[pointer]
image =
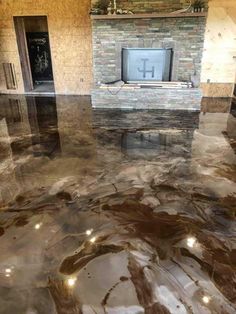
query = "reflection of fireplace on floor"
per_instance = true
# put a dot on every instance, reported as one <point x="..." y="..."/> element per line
<point x="150" y="143"/>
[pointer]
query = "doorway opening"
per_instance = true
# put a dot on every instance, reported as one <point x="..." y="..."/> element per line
<point x="35" y="54"/>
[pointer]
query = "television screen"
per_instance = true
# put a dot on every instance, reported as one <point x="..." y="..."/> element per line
<point x="146" y="65"/>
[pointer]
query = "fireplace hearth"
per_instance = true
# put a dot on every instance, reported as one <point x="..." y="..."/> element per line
<point x="146" y="65"/>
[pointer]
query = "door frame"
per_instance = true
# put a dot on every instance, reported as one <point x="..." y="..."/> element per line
<point x="19" y="24"/>
<point x="20" y="30"/>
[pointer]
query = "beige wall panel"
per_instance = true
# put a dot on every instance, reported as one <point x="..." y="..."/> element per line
<point x="217" y="89"/>
<point x="219" y="62"/>
<point x="213" y="105"/>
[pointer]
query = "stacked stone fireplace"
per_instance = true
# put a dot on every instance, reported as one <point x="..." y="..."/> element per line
<point x="181" y="37"/>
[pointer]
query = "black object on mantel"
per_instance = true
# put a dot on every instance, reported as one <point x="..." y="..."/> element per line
<point x="113" y="82"/>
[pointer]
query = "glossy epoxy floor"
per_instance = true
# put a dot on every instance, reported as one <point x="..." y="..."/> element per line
<point x="116" y="212"/>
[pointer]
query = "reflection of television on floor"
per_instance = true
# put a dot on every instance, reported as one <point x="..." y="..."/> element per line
<point x="146" y="65"/>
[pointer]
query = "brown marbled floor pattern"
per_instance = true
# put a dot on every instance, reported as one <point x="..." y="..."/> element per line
<point x="116" y="212"/>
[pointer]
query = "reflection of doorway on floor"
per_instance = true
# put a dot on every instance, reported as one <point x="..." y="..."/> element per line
<point x="34" y="49"/>
<point x="44" y="125"/>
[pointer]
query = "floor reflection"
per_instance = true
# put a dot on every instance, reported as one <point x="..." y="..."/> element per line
<point x="116" y="211"/>
<point x="43" y="124"/>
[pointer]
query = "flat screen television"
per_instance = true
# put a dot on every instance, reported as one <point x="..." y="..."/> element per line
<point x="142" y="65"/>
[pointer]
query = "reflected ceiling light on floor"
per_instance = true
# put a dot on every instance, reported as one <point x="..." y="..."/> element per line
<point x="89" y="232"/>
<point x="8" y="270"/>
<point x="38" y="226"/>
<point x="8" y="275"/>
<point x="191" y="241"/>
<point x="71" y="282"/>
<point x="93" y="240"/>
<point x="206" y="299"/>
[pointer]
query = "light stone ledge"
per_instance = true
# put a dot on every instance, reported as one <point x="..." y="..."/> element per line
<point x="147" y="98"/>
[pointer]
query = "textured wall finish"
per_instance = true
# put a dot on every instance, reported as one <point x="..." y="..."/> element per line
<point x="219" y="57"/>
<point x="217" y="89"/>
<point x="70" y="38"/>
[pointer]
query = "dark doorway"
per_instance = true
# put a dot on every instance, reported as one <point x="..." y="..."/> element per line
<point x="39" y="55"/>
<point x="35" y="55"/>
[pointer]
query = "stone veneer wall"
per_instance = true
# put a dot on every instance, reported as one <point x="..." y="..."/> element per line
<point x="184" y="35"/>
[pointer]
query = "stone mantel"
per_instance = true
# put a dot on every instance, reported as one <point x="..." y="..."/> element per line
<point x="147" y="16"/>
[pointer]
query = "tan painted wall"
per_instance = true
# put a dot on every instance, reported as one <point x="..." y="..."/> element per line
<point x="70" y="37"/>
<point x="219" y="64"/>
